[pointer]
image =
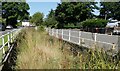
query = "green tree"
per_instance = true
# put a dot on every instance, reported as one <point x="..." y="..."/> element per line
<point x="50" y="21"/>
<point x="94" y="23"/>
<point x="37" y="18"/>
<point x="73" y="12"/>
<point x="13" y="11"/>
<point x="110" y="10"/>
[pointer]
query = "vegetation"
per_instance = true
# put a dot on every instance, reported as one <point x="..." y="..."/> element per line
<point x="50" y="21"/>
<point x="93" y="23"/>
<point x="46" y="53"/>
<point x="110" y="10"/>
<point x="37" y="19"/>
<point x="73" y="12"/>
<point x="13" y="11"/>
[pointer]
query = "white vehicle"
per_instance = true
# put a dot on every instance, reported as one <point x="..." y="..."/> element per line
<point x="113" y="23"/>
<point x="9" y="27"/>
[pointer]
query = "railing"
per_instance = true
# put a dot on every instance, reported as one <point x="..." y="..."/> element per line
<point x="86" y="39"/>
<point x="5" y="41"/>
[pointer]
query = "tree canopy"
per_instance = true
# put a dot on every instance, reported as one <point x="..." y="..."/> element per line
<point x="37" y="18"/>
<point x="110" y="10"/>
<point x="50" y="21"/>
<point x="72" y="12"/>
<point x="13" y="11"/>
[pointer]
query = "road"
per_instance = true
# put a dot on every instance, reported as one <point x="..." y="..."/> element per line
<point x="6" y="31"/>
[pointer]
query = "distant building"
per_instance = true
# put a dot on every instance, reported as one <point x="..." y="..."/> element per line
<point x="25" y="24"/>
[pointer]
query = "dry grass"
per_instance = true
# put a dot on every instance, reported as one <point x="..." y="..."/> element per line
<point x="37" y="50"/>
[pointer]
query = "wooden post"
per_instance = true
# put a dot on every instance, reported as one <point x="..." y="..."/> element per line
<point x="52" y="32"/>
<point x="79" y="37"/>
<point x="69" y="34"/>
<point x="62" y="33"/>
<point x="8" y="39"/>
<point x="3" y="43"/>
<point x="95" y="37"/>
<point x="11" y="37"/>
<point x="57" y="33"/>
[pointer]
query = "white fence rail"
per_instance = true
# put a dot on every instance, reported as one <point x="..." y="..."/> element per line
<point x="86" y="39"/>
<point x="5" y="47"/>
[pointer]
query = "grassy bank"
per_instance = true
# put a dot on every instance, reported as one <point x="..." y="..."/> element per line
<point x="37" y="50"/>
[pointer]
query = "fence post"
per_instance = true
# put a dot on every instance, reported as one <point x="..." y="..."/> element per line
<point x="3" y="43"/>
<point x="49" y="31"/>
<point x="11" y="37"/>
<point x="8" y="39"/>
<point x="52" y="32"/>
<point x="69" y="34"/>
<point x="57" y="33"/>
<point x="79" y="37"/>
<point x="62" y="33"/>
<point x="95" y="38"/>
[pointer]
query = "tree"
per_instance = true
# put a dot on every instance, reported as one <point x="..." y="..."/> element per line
<point x="110" y="10"/>
<point x="94" y="23"/>
<point x="73" y="12"/>
<point x="13" y="11"/>
<point x="37" y="18"/>
<point x="50" y="21"/>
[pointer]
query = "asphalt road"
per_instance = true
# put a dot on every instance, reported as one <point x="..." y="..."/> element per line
<point x="4" y="32"/>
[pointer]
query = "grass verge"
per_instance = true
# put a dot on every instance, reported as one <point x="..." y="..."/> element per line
<point x="37" y="50"/>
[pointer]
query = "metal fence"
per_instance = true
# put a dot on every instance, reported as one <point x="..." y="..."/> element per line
<point x="5" y="47"/>
<point x="86" y="39"/>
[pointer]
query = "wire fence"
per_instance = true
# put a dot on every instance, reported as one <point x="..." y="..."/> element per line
<point x="86" y="39"/>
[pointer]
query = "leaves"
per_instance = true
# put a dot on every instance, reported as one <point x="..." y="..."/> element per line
<point x="110" y="10"/>
<point x="37" y="18"/>
<point x="15" y="11"/>
<point x="73" y="12"/>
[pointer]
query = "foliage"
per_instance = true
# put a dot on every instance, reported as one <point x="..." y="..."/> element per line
<point x="110" y="10"/>
<point x="14" y="11"/>
<point x="50" y="21"/>
<point x="71" y="26"/>
<point x="72" y="12"/>
<point x="41" y="28"/>
<point x="92" y="23"/>
<point x="37" y="18"/>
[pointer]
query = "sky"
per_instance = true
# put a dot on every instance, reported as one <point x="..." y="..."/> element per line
<point x="43" y="7"/>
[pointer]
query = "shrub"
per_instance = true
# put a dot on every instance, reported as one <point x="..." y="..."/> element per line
<point x="41" y="28"/>
<point x="91" y="23"/>
<point x="71" y="26"/>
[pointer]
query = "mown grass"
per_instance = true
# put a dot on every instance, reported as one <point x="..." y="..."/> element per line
<point x="37" y="50"/>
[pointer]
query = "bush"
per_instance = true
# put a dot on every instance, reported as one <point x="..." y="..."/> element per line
<point x="41" y="28"/>
<point x="91" y="23"/>
<point x="71" y="26"/>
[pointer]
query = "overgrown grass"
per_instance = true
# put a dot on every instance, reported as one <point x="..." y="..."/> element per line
<point x="37" y="50"/>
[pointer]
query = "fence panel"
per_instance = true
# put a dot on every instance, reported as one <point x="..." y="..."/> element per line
<point x="74" y="33"/>
<point x="107" y="38"/>
<point x="88" y="39"/>
<point x="88" y="35"/>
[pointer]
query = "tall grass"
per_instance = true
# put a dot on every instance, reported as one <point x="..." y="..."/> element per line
<point x="37" y="50"/>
